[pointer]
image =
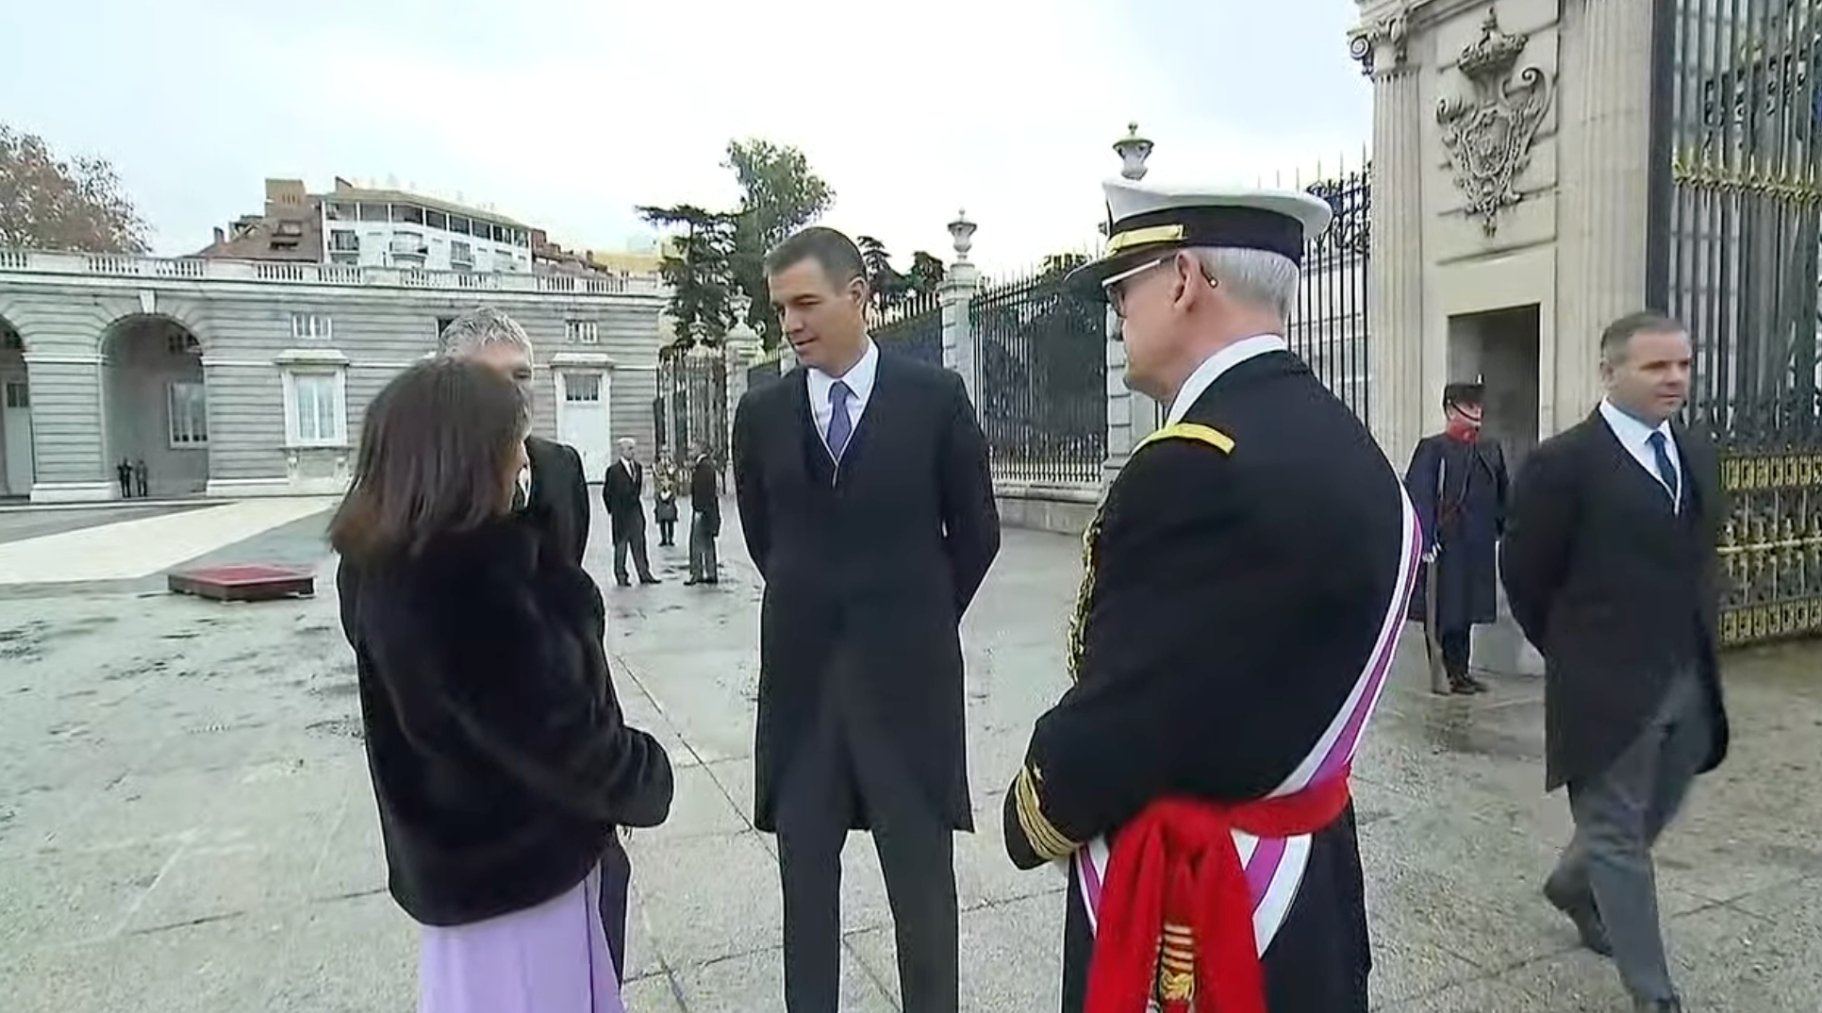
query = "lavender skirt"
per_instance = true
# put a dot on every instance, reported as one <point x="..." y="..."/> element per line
<point x="552" y="958"/>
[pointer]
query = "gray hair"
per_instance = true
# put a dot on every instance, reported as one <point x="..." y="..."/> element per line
<point x="1257" y="277"/>
<point x="483" y="326"/>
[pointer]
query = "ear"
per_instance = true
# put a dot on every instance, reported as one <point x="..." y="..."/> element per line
<point x="1189" y="280"/>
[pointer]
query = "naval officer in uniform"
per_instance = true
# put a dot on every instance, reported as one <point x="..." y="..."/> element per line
<point x="1246" y="580"/>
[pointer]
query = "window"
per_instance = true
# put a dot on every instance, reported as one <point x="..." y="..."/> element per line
<point x="181" y="342"/>
<point x="10" y="341"/>
<point x="443" y="330"/>
<point x="583" y="332"/>
<point x="337" y="211"/>
<point x="316" y="414"/>
<point x="408" y="213"/>
<point x="187" y="403"/>
<point x="18" y="394"/>
<point x="459" y="254"/>
<point x="344" y="241"/>
<point x="581" y="386"/>
<point x="460" y="225"/>
<point x="436" y="220"/>
<point x="312" y="327"/>
<point x="373" y="212"/>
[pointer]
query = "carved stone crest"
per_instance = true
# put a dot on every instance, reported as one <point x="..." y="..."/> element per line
<point x="1489" y="136"/>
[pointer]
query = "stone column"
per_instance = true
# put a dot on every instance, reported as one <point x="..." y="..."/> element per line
<point x="1131" y="415"/>
<point x="1396" y="395"/>
<point x="1605" y="188"/>
<point x="961" y="349"/>
<point x="739" y="350"/>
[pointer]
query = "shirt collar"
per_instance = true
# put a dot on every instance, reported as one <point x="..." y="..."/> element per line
<point x="1630" y="430"/>
<point x="1217" y="364"/>
<point x="859" y="377"/>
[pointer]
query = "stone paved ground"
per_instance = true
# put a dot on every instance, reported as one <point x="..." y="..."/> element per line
<point x="186" y="824"/>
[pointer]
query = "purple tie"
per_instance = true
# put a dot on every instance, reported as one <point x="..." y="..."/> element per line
<point x="840" y="426"/>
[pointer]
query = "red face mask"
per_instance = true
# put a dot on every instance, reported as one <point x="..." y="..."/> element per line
<point x="1462" y="428"/>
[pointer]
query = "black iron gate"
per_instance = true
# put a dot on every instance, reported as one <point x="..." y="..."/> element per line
<point x="1043" y="379"/>
<point x="694" y="385"/>
<point x="1734" y="255"/>
<point x="1328" y="326"/>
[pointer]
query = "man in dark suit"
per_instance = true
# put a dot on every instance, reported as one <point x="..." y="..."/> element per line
<point x="554" y="497"/>
<point x="867" y="505"/>
<point x="1610" y="567"/>
<point x="1457" y="482"/>
<point x="1246" y="581"/>
<point x="622" y="489"/>
<point x="705" y="518"/>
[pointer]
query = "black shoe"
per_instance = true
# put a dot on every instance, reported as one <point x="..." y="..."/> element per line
<point x="692" y="582"/>
<point x="649" y="579"/>
<point x="1587" y="919"/>
<point x="623" y="582"/>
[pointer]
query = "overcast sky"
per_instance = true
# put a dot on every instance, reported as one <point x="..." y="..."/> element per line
<point x="567" y="113"/>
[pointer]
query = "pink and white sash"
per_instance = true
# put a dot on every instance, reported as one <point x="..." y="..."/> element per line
<point x="1274" y="867"/>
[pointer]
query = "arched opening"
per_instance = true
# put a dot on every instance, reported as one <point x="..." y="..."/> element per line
<point x="155" y="408"/>
<point x="17" y="466"/>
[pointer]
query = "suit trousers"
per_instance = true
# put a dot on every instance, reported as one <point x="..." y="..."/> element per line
<point x="1456" y="647"/>
<point x="829" y="783"/>
<point x="1619" y="814"/>
<point x="703" y="565"/>
<point x="631" y="536"/>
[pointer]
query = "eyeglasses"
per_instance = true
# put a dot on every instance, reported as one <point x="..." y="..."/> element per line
<point x="1113" y="286"/>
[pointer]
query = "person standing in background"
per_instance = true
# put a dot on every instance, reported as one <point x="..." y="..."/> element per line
<point x="622" y="492"/>
<point x="705" y="518"/>
<point x="664" y="499"/>
<point x="1457" y="481"/>
<point x="1610" y="567"/>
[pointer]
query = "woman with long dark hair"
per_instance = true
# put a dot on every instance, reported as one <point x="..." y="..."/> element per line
<point x="499" y="758"/>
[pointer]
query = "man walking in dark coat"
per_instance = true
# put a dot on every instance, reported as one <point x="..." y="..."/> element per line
<point x="1457" y="482"/>
<point x="1610" y="568"/>
<point x="867" y="505"/>
<point x="622" y="492"/>
<point x="1246" y="584"/>
<point x="705" y="518"/>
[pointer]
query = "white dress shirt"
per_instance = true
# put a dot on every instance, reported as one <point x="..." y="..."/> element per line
<point x="859" y="379"/>
<point x="1216" y="364"/>
<point x="1635" y="436"/>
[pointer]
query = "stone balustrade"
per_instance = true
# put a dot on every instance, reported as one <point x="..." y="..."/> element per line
<point x="301" y="273"/>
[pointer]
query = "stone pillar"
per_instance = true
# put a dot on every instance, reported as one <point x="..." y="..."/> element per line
<point x="1605" y="190"/>
<point x="739" y="350"/>
<point x="1396" y="396"/>
<point x="961" y="349"/>
<point x="1131" y="415"/>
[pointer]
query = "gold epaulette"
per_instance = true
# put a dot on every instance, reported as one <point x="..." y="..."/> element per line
<point x="1190" y="431"/>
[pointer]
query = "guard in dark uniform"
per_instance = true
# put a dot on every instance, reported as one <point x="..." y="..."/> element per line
<point x="1247" y="577"/>
<point x="1457" y="481"/>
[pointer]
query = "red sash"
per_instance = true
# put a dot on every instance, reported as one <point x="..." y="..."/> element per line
<point x="1174" y="875"/>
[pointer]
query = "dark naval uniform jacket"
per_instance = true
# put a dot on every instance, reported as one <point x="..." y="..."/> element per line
<point x="1238" y="584"/>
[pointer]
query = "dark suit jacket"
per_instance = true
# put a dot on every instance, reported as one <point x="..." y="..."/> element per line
<point x="499" y="757"/>
<point x="880" y="560"/>
<point x="1613" y="587"/>
<point x="705" y="494"/>
<point x="620" y="492"/>
<point x="559" y="495"/>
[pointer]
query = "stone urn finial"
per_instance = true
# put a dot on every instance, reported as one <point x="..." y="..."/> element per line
<point x="1133" y="151"/>
<point x="961" y="233"/>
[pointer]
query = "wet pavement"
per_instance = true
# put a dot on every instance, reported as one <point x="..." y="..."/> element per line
<point x="186" y="822"/>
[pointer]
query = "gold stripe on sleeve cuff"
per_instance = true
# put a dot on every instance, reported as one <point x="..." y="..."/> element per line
<point x="1045" y="838"/>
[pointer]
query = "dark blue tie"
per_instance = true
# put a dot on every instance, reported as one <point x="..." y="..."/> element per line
<point x="840" y="425"/>
<point x="1666" y="470"/>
